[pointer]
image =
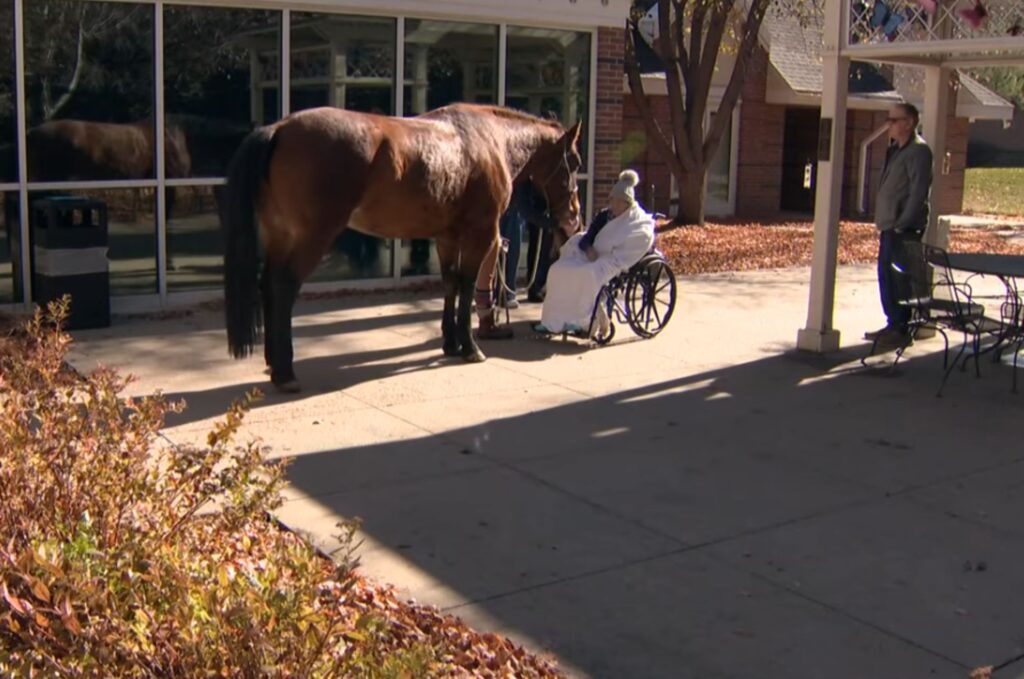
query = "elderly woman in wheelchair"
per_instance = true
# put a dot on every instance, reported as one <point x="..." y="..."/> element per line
<point x="618" y="238"/>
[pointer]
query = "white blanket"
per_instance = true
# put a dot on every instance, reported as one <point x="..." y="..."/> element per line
<point x="573" y="282"/>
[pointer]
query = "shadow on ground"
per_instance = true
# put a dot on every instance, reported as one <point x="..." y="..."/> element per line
<point x="788" y="517"/>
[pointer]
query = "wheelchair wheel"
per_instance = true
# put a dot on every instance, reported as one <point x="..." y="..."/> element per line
<point x="650" y="297"/>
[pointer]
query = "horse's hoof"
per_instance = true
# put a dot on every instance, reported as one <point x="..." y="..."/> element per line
<point x="288" y="386"/>
<point x="474" y="356"/>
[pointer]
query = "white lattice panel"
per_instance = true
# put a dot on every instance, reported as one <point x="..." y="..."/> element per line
<point x="916" y="21"/>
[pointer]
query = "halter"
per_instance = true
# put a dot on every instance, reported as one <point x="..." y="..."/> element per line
<point x="570" y="188"/>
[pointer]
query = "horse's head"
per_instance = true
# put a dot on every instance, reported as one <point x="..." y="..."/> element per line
<point x="553" y="174"/>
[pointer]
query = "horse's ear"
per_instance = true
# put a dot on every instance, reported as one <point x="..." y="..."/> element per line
<point x="573" y="135"/>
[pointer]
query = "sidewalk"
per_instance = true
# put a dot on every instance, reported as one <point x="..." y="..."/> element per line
<point x="704" y="504"/>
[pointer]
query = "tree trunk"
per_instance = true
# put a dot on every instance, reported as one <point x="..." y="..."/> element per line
<point x="691" y="198"/>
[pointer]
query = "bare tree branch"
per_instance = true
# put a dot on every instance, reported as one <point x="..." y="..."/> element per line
<point x="678" y="23"/>
<point x="49" y="111"/>
<point x="751" y="29"/>
<point x="673" y="83"/>
<point x="700" y="10"/>
<point x="657" y="136"/>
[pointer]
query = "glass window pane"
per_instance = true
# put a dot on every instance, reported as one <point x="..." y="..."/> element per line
<point x="718" y="170"/>
<point x="195" y="248"/>
<point x="347" y="62"/>
<point x="89" y="90"/>
<point x="8" y="121"/>
<point x="131" y="227"/>
<point x="343" y="61"/>
<point x="547" y="73"/>
<point x="10" y="273"/>
<point x="355" y="256"/>
<point x="221" y="69"/>
<point x="445" y="62"/>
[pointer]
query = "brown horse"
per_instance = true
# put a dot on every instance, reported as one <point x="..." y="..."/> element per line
<point x="83" y="150"/>
<point x="295" y="185"/>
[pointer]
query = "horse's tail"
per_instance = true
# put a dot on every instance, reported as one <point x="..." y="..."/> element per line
<point x="246" y="174"/>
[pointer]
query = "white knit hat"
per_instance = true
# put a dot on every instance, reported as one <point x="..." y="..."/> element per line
<point x="624" y="187"/>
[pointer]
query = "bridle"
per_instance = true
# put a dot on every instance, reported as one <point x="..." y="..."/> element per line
<point x="570" y="186"/>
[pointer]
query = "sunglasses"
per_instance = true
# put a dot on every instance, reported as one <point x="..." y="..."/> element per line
<point x="896" y="120"/>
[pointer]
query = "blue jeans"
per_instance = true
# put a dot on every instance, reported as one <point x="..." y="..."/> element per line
<point x="895" y="286"/>
<point x="543" y="240"/>
<point x="511" y="228"/>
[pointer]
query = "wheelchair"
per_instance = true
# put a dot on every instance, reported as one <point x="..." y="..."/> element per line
<point x="642" y="297"/>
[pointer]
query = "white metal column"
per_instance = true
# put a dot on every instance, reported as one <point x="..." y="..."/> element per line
<point x="285" y="64"/>
<point x="396" y="243"/>
<point x="935" y="116"/>
<point x="819" y="335"/>
<point x="159" y="131"/>
<point x="502" y="61"/>
<point x="24" y="217"/>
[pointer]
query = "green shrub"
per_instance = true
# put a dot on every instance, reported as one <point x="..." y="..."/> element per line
<point x="122" y="555"/>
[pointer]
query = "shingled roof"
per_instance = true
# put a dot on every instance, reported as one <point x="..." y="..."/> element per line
<point x="794" y="50"/>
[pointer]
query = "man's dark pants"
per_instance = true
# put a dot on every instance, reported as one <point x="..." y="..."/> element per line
<point x="895" y="285"/>
<point x="544" y="241"/>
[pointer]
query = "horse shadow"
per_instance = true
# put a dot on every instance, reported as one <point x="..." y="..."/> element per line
<point x="338" y="373"/>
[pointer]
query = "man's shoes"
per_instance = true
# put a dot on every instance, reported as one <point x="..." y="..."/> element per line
<point x="894" y="338"/>
<point x="490" y="330"/>
<point x="874" y="334"/>
<point x="535" y="297"/>
<point x="510" y="302"/>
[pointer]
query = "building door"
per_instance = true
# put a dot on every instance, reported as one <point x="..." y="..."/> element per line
<point x="800" y="145"/>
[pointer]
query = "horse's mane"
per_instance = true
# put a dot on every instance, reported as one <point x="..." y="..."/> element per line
<point x="522" y="116"/>
<point x="503" y="113"/>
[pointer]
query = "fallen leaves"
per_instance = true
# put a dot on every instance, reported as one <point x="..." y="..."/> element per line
<point x="466" y="652"/>
<point x="747" y="246"/>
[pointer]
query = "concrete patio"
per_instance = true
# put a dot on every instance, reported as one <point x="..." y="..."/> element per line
<point x="705" y="504"/>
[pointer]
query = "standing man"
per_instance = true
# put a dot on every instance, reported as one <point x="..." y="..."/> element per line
<point x="901" y="216"/>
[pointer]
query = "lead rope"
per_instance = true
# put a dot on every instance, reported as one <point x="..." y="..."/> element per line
<point x="503" y="286"/>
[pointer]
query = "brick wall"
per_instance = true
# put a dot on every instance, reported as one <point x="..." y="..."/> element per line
<point x="611" y="48"/>
<point x="759" y="170"/>
<point x="638" y="154"/>
<point x="760" y="153"/>
<point x="957" y="133"/>
<point x="859" y="126"/>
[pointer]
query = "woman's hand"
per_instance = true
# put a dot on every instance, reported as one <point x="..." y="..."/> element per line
<point x="591" y="254"/>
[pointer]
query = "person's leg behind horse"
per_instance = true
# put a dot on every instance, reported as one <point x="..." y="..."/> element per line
<point x="483" y="295"/>
<point x="512" y="224"/>
<point x="538" y="265"/>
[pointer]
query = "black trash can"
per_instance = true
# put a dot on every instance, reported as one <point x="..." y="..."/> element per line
<point x="69" y="257"/>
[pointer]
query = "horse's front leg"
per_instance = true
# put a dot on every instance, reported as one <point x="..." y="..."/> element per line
<point x="449" y="328"/>
<point x="469" y="350"/>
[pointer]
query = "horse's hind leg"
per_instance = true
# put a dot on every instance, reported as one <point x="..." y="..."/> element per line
<point x="447" y="256"/>
<point x="281" y="288"/>
<point x="266" y="292"/>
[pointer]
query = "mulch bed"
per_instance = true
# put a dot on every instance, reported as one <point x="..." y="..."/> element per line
<point x="739" y="246"/>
